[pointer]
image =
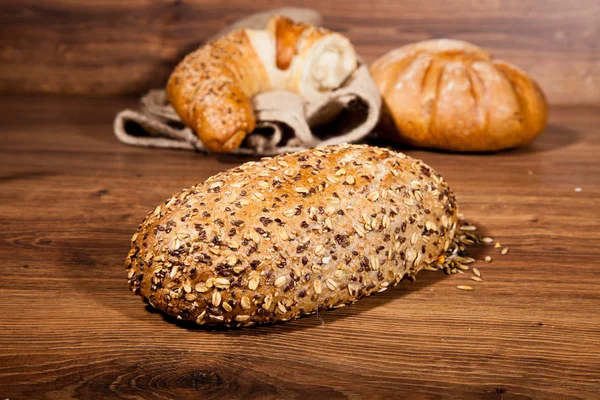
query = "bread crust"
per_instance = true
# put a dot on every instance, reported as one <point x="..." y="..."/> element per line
<point x="284" y="237"/>
<point x="452" y="95"/>
<point x="211" y="90"/>
<point x="286" y="33"/>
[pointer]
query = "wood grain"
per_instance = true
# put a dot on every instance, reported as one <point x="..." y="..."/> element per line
<point x="110" y="47"/>
<point x="71" y="197"/>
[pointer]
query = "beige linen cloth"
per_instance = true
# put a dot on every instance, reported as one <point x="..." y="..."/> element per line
<point x="285" y="122"/>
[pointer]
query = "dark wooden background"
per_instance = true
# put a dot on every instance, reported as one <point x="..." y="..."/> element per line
<point x="114" y="47"/>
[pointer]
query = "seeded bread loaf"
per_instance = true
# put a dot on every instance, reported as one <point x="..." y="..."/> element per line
<point x="287" y="236"/>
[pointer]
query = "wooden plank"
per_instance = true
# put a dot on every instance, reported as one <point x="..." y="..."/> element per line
<point x="113" y="47"/>
<point x="71" y="196"/>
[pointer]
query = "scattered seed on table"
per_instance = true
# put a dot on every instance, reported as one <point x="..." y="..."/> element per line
<point x="488" y="258"/>
<point x="487" y="240"/>
<point x="476" y="279"/>
<point x="504" y="251"/>
<point x="464" y="287"/>
<point x="578" y="189"/>
<point x="497" y="245"/>
<point x="476" y="272"/>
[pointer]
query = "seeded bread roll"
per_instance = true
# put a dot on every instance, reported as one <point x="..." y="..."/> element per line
<point x="287" y="236"/>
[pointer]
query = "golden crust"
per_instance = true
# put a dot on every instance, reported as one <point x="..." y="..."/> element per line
<point x="452" y="95"/>
<point x="211" y="89"/>
<point x="287" y="236"/>
<point x="287" y="34"/>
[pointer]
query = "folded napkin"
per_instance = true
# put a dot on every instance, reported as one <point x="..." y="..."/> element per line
<point x="285" y="122"/>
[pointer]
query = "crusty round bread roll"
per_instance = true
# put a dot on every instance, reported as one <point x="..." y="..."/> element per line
<point x="287" y="236"/>
<point x="212" y="88"/>
<point x="452" y="95"/>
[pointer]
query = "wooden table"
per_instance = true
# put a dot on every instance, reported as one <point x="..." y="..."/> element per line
<point x="71" y="196"/>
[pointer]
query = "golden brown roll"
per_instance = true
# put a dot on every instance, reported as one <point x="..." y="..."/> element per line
<point x="212" y="88"/>
<point x="452" y="95"/>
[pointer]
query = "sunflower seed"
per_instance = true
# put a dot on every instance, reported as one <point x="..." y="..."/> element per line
<point x="317" y="287"/>
<point x="386" y="221"/>
<point x="487" y="240"/>
<point x="201" y="287"/>
<point x="245" y="303"/>
<point x="216" y="298"/>
<point x="359" y="231"/>
<point x="253" y="283"/>
<point x="290" y="212"/>
<point x="187" y="287"/>
<point x="242" y="318"/>
<point x="411" y="255"/>
<point x="373" y="196"/>
<point x="231" y="260"/>
<point x="190" y="297"/>
<point x="375" y="223"/>
<point x="281" y="307"/>
<point x="283" y="234"/>
<point x="267" y="302"/>
<point x="476" y="279"/>
<point x="476" y="272"/>
<point x="504" y="251"/>
<point x="464" y="287"/>
<point x="331" y="284"/>
<point x="281" y="281"/>
<point x="488" y="258"/>
<point x="374" y="261"/>
<point x="222" y="283"/>
<point x="414" y="238"/>
<point x="328" y="223"/>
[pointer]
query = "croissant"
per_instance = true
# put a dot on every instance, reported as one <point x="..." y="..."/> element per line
<point x="451" y="95"/>
<point x="211" y="89"/>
